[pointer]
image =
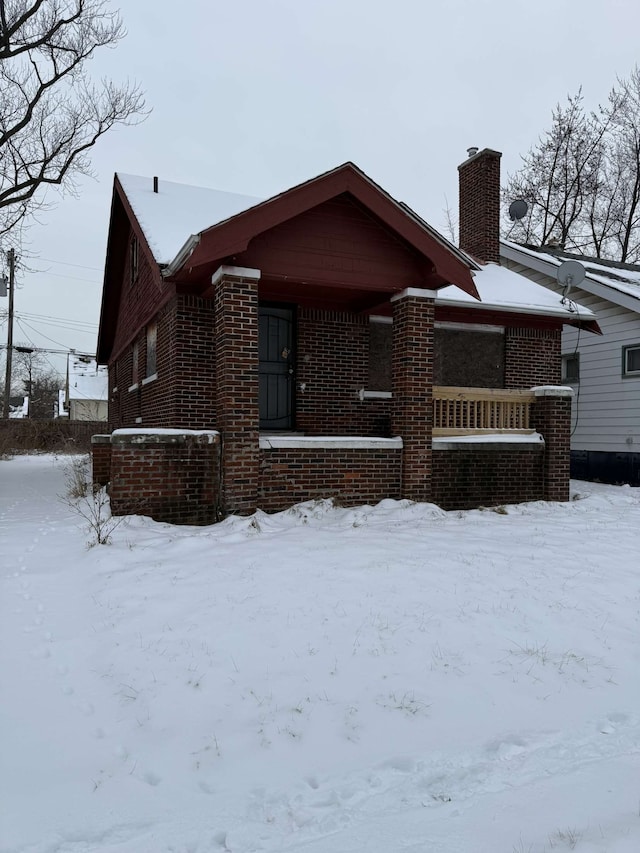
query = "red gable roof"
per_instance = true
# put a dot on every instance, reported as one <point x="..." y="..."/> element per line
<point x="448" y="264"/>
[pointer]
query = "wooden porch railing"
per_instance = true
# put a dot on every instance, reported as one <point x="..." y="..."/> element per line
<point x="474" y="411"/>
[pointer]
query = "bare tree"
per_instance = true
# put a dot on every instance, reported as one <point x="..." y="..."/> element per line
<point x="51" y="113"/>
<point x="624" y="189"/>
<point x="582" y="178"/>
<point x="559" y="174"/>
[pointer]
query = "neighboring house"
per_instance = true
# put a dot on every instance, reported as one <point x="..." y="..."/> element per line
<point x="61" y="410"/>
<point x="86" y="389"/>
<point x="324" y="342"/>
<point x="18" y="407"/>
<point x="603" y="371"/>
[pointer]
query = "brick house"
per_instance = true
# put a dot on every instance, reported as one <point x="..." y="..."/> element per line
<point x="324" y="342"/>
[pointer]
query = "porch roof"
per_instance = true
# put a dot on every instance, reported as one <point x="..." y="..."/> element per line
<point x="505" y="292"/>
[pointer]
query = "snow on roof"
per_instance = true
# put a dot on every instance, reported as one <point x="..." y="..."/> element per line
<point x="62" y="412"/>
<point x="87" y="381"/>
<point x="21" y="410"/>
<point x="624" y="278"/>
<point x="176" y="211"/>
<point x="504" y="289"/>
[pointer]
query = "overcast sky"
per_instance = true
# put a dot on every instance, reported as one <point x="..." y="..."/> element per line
<point x="254" y="96"/>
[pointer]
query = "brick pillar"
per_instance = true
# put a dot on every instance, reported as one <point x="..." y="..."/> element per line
<point x="237" y="412"/>
<point x="551" y="416"/>
<point x="412" y="384"/>
<point x="101" y="459"/>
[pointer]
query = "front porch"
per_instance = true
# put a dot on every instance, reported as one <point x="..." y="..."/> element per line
<point x="487" y="447"/>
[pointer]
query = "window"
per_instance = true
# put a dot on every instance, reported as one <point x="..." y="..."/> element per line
<point x="631" y="360"/>
<point x="134" y="364"/>
<point x="380" y="335"/>
<point x="152" y="338"/>
<point x="571" y="367"/>
<point x="133" y="260"/>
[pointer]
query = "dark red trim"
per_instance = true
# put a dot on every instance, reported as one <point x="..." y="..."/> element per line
<point x="493" y="317"/>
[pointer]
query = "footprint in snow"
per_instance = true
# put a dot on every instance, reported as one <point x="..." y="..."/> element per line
<point x="41" y="652"/>
<point x="506" y="748"/>
<point x="612" y="723"/>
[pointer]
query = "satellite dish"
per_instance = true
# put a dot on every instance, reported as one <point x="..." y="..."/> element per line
<point x="570" y="274"/>
<point x="518" y="209"/>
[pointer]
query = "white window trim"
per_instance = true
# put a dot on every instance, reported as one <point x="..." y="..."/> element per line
<point x="630" y="374"/>
<point x="149" y="379"/>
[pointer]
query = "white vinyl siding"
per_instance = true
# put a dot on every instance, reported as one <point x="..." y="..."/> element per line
<point x="606" y="408"/>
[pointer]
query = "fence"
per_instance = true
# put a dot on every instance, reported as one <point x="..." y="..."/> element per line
<point x="23" y="434"/>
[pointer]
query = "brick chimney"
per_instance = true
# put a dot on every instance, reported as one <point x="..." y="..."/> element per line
<point x="479" y="178"/>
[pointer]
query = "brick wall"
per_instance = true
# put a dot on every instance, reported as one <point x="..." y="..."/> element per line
<point x="332" y="365"/>
<point x="487" y="475"/>
<point x="140" y="300"/>
<point x="172" y="478"/>
<point x="352" y="476"/>
<point x="183" y="394"/>
<point x="195" y="363"/>
<point x="532" y="357"/>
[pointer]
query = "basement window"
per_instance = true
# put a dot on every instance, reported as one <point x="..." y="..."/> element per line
<point x="631" y="360"/>
<point x="571" y="367"/>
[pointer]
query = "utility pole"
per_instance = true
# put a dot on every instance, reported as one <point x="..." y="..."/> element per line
<point x="11" y="258"/>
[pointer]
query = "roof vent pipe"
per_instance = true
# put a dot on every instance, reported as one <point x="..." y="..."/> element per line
<point x="155" y="182"/>
<point x="470" y="151"/>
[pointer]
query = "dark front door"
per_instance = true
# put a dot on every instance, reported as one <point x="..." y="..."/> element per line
<point x="275" y="342"/>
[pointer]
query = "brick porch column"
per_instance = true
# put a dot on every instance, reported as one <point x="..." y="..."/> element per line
<point x="551" y="416"/>
<point x="101" y="459"/>
<point x="412" y="384"/>
<point x="238" y="419"/>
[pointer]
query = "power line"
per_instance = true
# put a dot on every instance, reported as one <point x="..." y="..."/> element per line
<point x="85" y="329"/>
<point x="59" y="343"/>
<point x="63" y="275"/>
<point x="31" y="316"/>
<point x="68" y="351"/>
<point x="55" y="370"/>
<point x="68" y="264"/>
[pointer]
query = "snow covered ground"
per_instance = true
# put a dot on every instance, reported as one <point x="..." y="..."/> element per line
<point x="390" y="679"/>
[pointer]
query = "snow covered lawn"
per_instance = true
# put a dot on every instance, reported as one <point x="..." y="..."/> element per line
<point x="390" y="679"/>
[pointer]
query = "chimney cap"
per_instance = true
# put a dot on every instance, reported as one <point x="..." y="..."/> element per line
<point x="474" y="154"/>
